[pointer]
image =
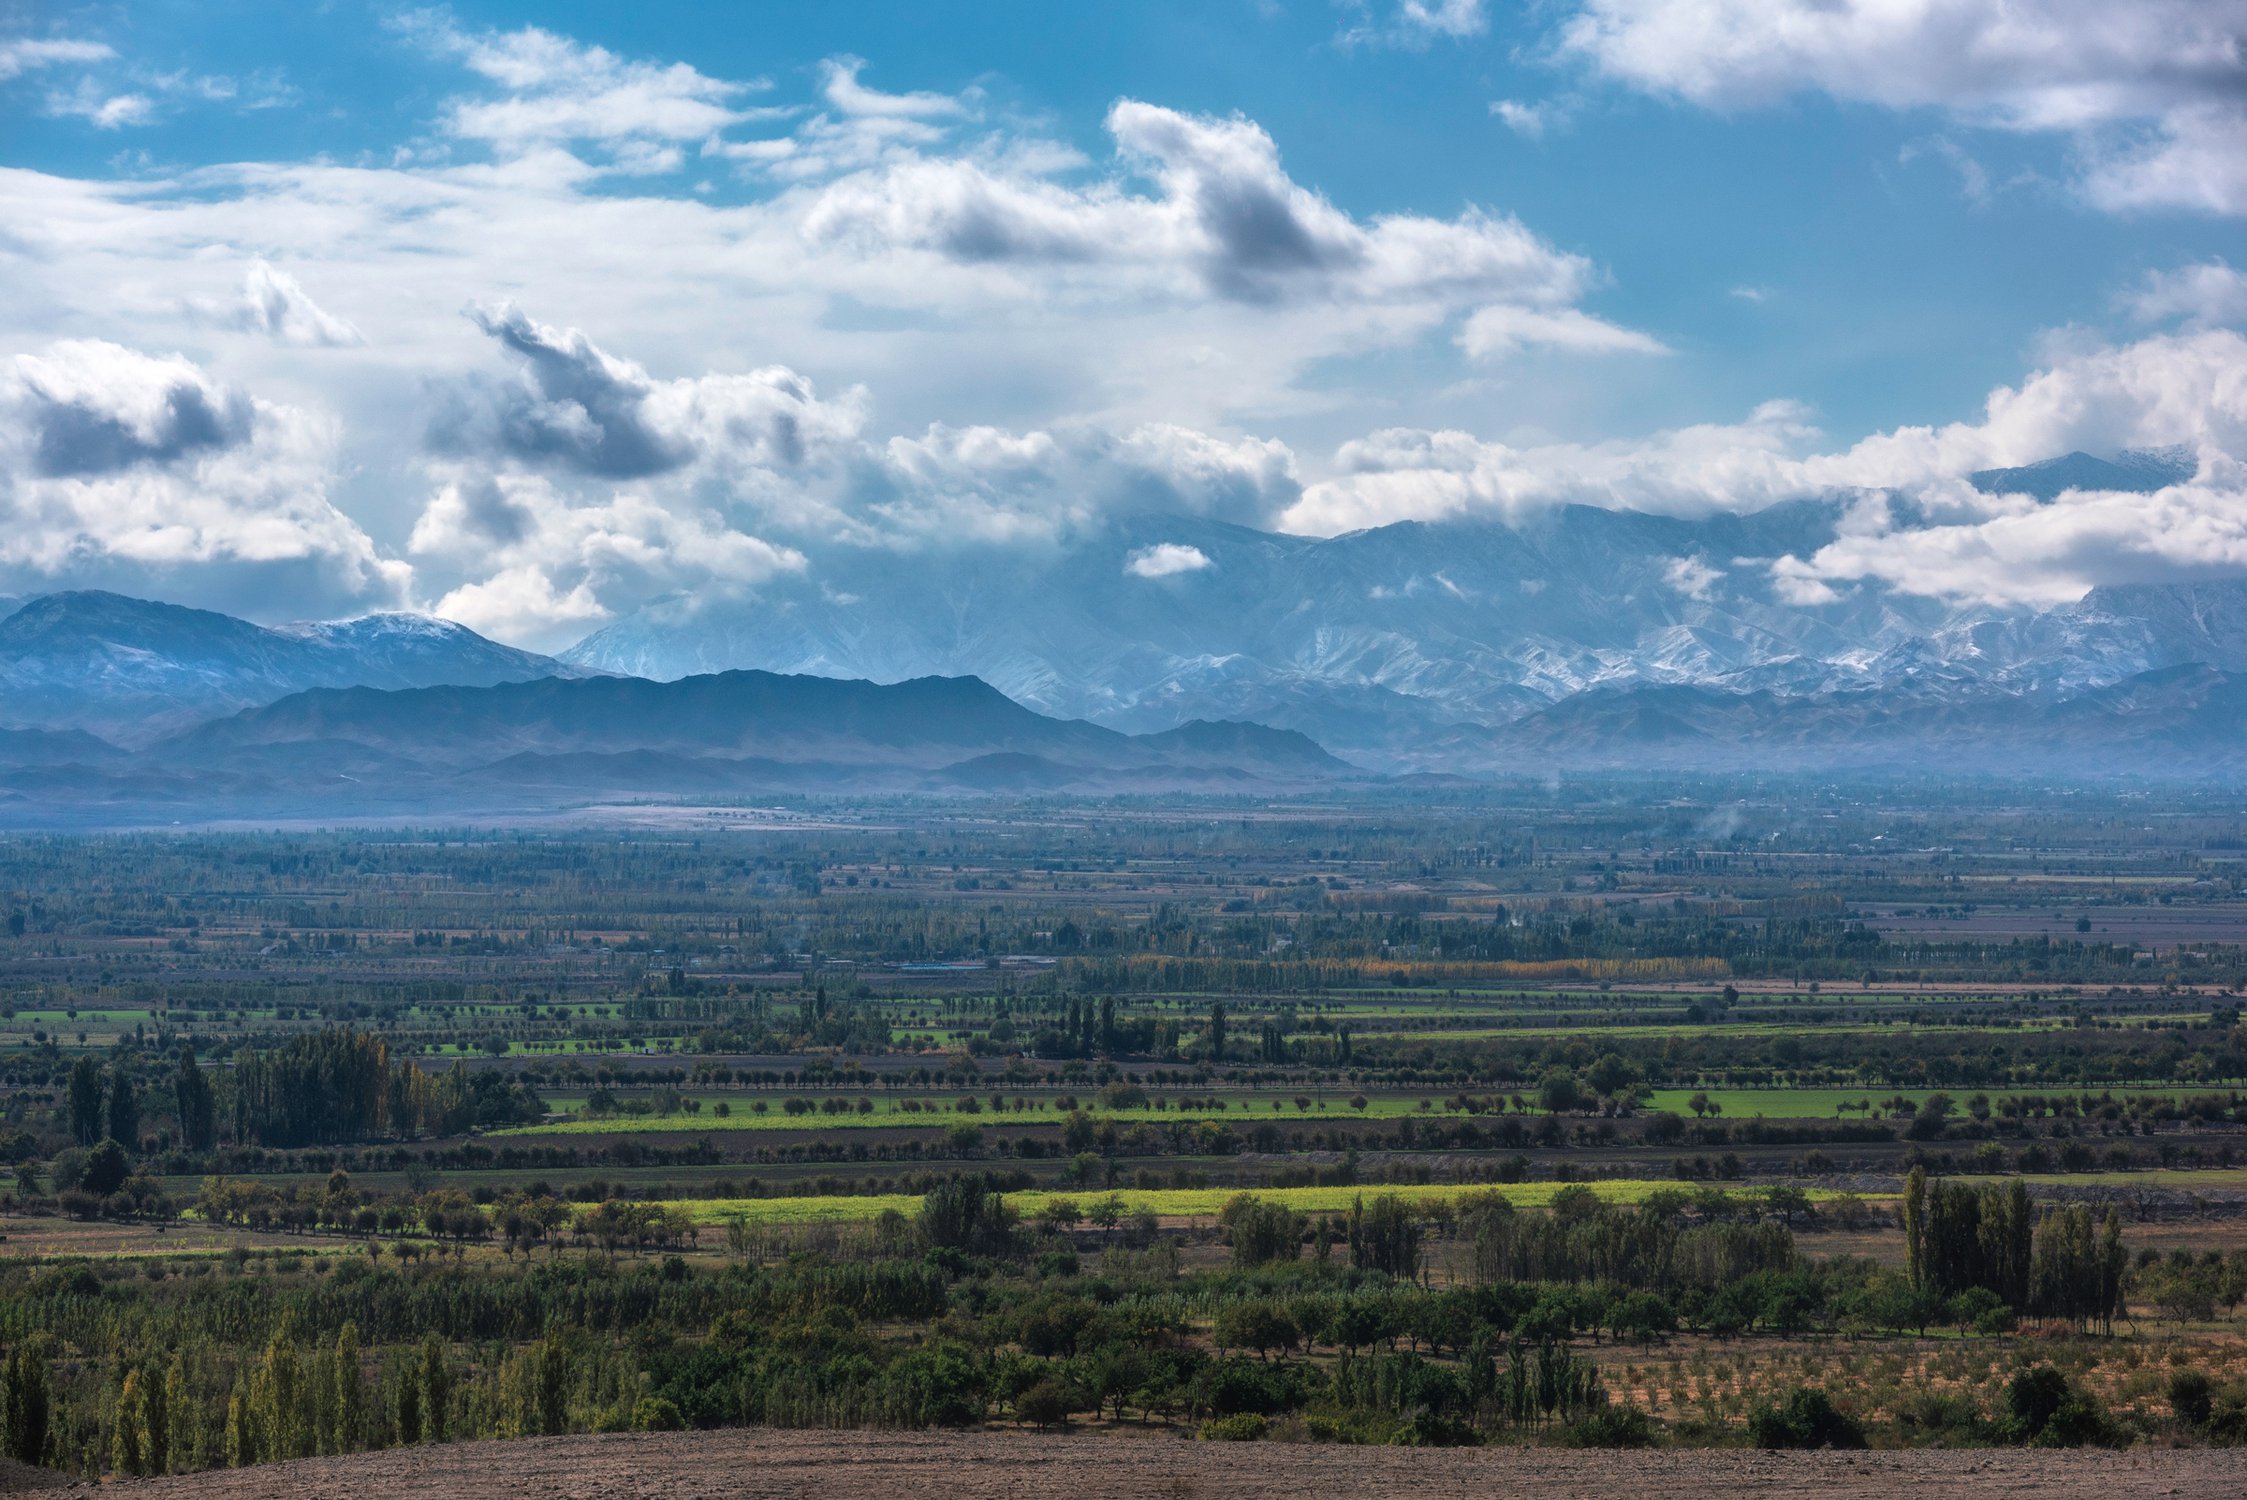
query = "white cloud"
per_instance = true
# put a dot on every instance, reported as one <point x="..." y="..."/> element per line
<point x="1415" y="23"/>
<point x="19" y="55"/>
<point x="1973" y="177"/>
<point x="1527" y="120"/>
<point x="1053" y="338"/>
<point x="1692" y="577"/>
<point x="843" y="90"/>
<point x="124" y="465"/>
<point x="1404" y="474"/>
<point x="541" y="556"/>
<point x="2210" y="294"/>
<point x="1227" y="222"/>
<point x="2152" y="90"/>
<point x="1794" y="583"/>
<point x="557" y="90"/>
<point x="520" y="603"/>
<point x="274" y="304"/>
<point x="2185" y="391"/>
<point x="100" y="108"/>
<point x="1495" y="332"/>
<point x="1445" y="17"/>
<point x="1166" y="560"/>
<point x="1910" y="520"/>
<point x="588" y="483"/>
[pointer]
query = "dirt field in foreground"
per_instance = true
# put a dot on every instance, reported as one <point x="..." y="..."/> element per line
<point x="984" y="1466"/>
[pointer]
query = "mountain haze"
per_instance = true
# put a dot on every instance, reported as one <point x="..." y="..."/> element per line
<point x="1380" y="643"/>
<point x="133" y="669"/>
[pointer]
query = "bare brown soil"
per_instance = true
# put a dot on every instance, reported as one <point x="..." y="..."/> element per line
<point x="888" y="1466"/>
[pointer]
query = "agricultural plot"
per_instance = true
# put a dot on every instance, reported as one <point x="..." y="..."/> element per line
<point x="1392" y="1084"/>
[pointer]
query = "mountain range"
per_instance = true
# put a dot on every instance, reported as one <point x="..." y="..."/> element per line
<point x="569" y="740"/>
<point x="1383" y="644"/>
<point x="1149" y="652"/>
<point x="133" y="670"/>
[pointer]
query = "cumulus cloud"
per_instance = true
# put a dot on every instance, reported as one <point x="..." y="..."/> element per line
<point x="974" y="271"/>
<point x="1909" y="517"/>
<point x="555" y="90"/>
<point x="580" y="409"/>
<point x="120" y="462"/>
<point x="2210" y="294"/>
<point x="2153" y="92"/>
<point x="274" y="304"/>
<point x="519" y="603"/>
<point x="588" y="484"/>
<point x="1166" y="560"/>
<point x="2184" y="392"/>
<point x="1226" y="221"/>
<point x="1692" y="577"/>
<point x="542" y="555"/>
<point x="1497" y="331"/>
<point x="94" y="408"/>
<point x="1404" y="474"/>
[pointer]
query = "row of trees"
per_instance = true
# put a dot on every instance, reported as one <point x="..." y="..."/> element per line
<point x="1958" y="1238"/>
<point x="332" y="1087"/>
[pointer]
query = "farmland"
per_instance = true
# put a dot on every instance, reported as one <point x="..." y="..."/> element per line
<point x="1526" y="1117"/>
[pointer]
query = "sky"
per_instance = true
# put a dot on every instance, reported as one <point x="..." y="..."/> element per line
<point x="525" y="315"/>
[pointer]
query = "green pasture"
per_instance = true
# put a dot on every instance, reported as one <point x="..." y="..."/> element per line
<point x="1169" y="1203"/>
<point x="1824" y="1103"/>
<point x="939" y="1114"/>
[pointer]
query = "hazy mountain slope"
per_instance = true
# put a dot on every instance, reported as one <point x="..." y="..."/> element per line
<point x="1362" y="638"/>
<point x="763" y="727"/>
<point x="1382" y="642"/>
<point x="2187" y="720"/>
<point x="2136" y="473"/>
<point x="135" y="669"/>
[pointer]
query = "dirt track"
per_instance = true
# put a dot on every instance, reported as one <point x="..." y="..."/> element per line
<point x="881" y="1466"/>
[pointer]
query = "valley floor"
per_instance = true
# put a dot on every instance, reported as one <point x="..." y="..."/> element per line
<point x="1116" y="1466"/>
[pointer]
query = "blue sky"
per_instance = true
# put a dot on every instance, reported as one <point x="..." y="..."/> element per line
<point x="528" y="313"/>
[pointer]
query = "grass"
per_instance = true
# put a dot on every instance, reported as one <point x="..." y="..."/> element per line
<point x="1247" y="1111"/>
<point x="1820" y="1104"/>
<point x="939" y="1113"/>
<point x="1168" y="1203"/>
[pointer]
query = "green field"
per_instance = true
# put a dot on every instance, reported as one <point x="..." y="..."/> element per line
<point x="1820" y="1104"/>
<point x="1170" y="1203"/>
<point x="939" y="1114"/>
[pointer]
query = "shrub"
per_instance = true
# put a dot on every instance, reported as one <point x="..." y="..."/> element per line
<point x="2044" y="1407"/>
<point x="1612" y="1427"/>
<point x="656" y="1414"/>
<point x="2192" y="1396"/>
<point x="1808" y="1419"/>
<point x="1432" y="1429"/>
<point x="1241" y="1427"/>
<point x="1941" y="1419"/>
<point x="1047" y="1404"/>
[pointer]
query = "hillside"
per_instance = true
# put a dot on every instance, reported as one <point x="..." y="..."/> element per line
<point x="134" y="669"/>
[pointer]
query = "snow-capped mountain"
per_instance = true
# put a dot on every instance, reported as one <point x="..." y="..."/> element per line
<point x="1376" y="643"/>
<point x="134" y="669"/>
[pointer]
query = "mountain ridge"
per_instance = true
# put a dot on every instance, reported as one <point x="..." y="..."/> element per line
<point x="136" y="669"/>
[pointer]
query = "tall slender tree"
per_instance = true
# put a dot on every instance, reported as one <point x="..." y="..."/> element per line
<point x="84" y="1090"/>
<point x="198" y="1107"/>
<point x="124" y="1107"/>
